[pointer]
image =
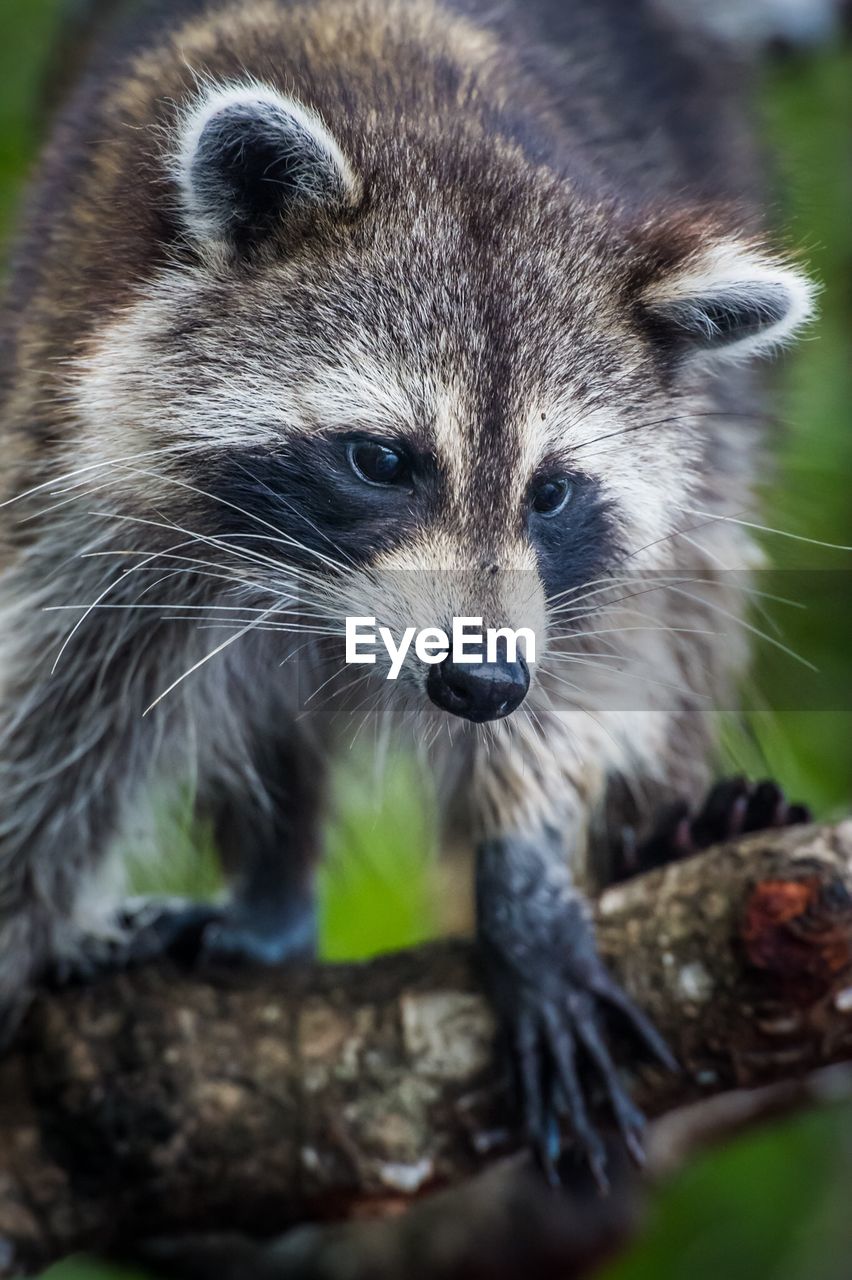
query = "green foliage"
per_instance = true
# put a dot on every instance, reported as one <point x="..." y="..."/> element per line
<point x="807" y="107"/>
<point x="772" y="1206"/>
<point x="27" y="30"/>
<point x="376" y="886"/>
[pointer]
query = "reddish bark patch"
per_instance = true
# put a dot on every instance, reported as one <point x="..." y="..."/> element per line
<point x="800" y="932"/>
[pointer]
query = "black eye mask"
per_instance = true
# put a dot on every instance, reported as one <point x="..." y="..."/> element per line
<point x="303" y="501"/>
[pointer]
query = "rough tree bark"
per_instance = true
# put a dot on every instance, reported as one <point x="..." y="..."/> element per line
<point x="160" y="1103"/>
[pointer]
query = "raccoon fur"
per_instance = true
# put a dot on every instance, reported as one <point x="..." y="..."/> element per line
<point x="412" y="309"/>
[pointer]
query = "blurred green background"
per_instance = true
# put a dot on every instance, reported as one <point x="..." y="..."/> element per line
<point x="775" y="1205"/>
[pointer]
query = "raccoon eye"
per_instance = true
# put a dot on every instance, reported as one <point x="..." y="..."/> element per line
<point x="377" y="463"/>
<point x="551" y="496"/>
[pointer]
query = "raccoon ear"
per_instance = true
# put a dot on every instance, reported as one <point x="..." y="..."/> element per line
<point x="728" y="301"/>
<point x="249" y="157"/>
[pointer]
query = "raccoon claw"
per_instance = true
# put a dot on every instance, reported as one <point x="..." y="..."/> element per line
<point x="545" y="1046"/>
<point x="549" y="1043"/>
<point x="142" y="931"/>
<point x="555" y="1034"/>
<point x="733" y="807"/>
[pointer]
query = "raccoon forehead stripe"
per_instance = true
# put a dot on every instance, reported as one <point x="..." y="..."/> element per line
<point x="450" y="411"/>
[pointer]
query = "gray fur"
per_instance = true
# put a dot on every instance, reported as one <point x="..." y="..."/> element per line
<point x="479" y="285"/>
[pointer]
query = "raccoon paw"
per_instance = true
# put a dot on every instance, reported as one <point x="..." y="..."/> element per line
<point x="193" y="934"/>
<point x="553" y="1020"/>
<point x="238" y="938"/>
<point x="141" y="930"/>
<point x="733" y="807"/>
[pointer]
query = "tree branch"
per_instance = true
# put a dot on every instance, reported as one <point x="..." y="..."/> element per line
<point x="161" y="1103"/>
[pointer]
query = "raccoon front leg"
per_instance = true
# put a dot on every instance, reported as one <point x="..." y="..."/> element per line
<point x="71" y="757"/>
<point x="264" y="807"/>
<point x="549" y="987"/>
<point x="266" y="817"/>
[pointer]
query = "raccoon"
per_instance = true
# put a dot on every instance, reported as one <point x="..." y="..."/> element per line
<point x="402" y="309"/>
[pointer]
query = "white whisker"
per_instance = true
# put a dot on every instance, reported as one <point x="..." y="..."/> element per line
<point x="765" y="528"/>
<point x="201" y="662"/>
<point x="748" y="626"/>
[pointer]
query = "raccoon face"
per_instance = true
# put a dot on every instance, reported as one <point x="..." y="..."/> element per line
<point x="441" y="387"/>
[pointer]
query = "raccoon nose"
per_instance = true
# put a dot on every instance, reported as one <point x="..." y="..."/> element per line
<point x="479" y="691"/>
